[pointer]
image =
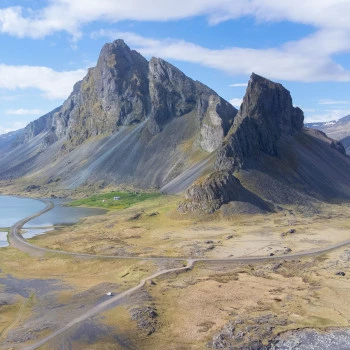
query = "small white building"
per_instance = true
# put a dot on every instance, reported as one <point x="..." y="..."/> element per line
<point x="116" y="198"/>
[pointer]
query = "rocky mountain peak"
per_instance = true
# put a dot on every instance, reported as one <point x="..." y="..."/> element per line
<point x="270" y="103"/>
<point x="125" y="89"/>
<point x="118" y="57"/>
<point x="265" y="115"/>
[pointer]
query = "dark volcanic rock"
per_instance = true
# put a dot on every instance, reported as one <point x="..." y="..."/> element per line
<point x="125" y="89"/>
<point x="173" y="94"/>
<point x="266" y="113"/>
<point x="146" y="317"/>
<point x="146" y="114"/>
<point x="146" y="124"/>
<point x="338" y="146"/>
<point x="113" y="93"/>
<point x="346" y="143"/>
<point x="340" y="273"/>
<point x="211" y="192"/>
<point x="247" y="333"/>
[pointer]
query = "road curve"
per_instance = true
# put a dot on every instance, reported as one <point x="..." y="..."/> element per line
<point x="18" y="241"/>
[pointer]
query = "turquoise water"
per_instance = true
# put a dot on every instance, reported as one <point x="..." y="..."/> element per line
<point x="13" y="209"/>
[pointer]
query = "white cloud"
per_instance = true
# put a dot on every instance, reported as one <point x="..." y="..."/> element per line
<point x="236" y="102"/>
<point x="239" y="85"/>
<point x="71" y="15"/>
<point x="23" y="111"/>
<point x="328" y="115"/>
<point x="334" y="102"/>
<point x="293" y="61"/>
<point x="305" y="60"/>
<point x="53" y="84"/>
<point x="12" y="127"/>
<point x="130" y="38"/>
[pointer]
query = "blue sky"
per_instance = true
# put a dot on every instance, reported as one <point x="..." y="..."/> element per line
<point x="46" y="46"/>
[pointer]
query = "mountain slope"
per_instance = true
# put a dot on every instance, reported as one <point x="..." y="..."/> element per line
<point x="336" y="129"/>
<point x="144" y="123"/>
<point x="268" y="158"/>
<point x="128" y="121"/>
<point x="346" y="142"/>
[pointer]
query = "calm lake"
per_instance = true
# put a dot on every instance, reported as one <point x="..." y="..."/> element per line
<point x="13" y="209"/>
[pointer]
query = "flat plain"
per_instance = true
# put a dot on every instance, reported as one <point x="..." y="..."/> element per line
<point x="212" y="304"/>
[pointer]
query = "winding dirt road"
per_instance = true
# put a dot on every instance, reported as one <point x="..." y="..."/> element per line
<point x="17" y="240"/>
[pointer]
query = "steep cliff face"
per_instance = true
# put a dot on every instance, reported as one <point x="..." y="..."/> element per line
<point x="274" y="157"/>
<point x="173" y="94"/>
<point x="152" y="111"/>
<point x="40" y="125"/>
<point x="125" y="89"/>
<point x="113" y="93"/>
<point x="265" y="115"/>
<point x="130" y="121"/>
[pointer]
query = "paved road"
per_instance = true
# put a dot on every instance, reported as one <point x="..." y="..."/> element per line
<point x="17" y="240"/>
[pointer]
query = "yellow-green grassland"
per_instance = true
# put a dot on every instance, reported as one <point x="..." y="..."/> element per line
<point x="188" y="309"/>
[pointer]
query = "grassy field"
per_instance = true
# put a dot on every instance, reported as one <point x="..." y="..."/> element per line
<point x="155" y="228"/>
<point x="193" y="307"/>
<point x="106" y="200"/>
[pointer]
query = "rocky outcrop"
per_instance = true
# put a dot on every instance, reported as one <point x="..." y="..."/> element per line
<point x="34" y="128"/>
<point x="346" y="144"/>
<point x="113" y="93"/>
<point x="173" y="94"/>
<point x="125" y="89"/>
<point x="126" y="117"/>
<point x="265" y="115"/>
<point x="211" y="192"/>
<point x="156" y="127"/>
<point x="248" y="333"/>
<point x="338" y="145"/>
<point x="277" y="159"/>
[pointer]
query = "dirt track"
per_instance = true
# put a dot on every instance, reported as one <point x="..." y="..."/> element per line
<point x="16" y="240"/>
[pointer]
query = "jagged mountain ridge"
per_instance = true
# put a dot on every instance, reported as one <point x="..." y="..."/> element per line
<point x="268" y="157"/>
<point x="126" y="118"/>
<point x="266" y="113"/>
<point x="125" y="89"/>
<point x="146" y="124"/>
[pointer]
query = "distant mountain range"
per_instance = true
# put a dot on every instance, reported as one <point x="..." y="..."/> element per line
<point x="336" y="129"/>
<point x="146" y="124"/>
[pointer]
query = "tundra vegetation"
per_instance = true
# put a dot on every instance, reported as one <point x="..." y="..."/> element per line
<point x="214" y="304"/>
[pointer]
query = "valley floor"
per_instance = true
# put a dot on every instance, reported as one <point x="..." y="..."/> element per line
<point x="215" y="304"/>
